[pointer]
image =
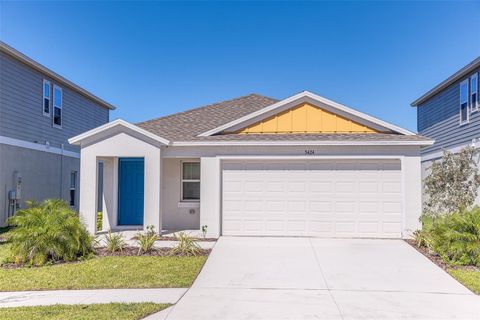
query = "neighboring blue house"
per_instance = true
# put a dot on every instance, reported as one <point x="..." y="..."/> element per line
<point x="39" y="111"/>
<point x="450" y="114"/>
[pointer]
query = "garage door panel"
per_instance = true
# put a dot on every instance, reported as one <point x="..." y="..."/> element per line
<point x="320" y="206"/>
<point x="312" y="198"/>
<point x="320" y="227"/>
<point x="391" y="187"/>
<point x="392" y="208"/>
<point x="372" y="227"/>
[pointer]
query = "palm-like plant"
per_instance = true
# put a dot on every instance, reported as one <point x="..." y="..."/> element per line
<point x="48" y="231"/>
<point x="146" y="240"/>
<point x="456" y="237"/>
<point x="114" y="242"/>
<point x="186" y="245"/>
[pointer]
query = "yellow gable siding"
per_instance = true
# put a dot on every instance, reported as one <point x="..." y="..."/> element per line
<point x="306" y="118"/>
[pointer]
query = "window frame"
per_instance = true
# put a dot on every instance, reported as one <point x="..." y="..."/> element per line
<point x="73" y="188"/>
<point x="59" y="107"/>
<point x="182" y="180"/>
<point x="464" y="82"/>
<point x="45" y="81"/>
<point x="474" y="104"/>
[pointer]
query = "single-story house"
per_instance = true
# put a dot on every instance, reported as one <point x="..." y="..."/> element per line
<point x="256" y="166"/>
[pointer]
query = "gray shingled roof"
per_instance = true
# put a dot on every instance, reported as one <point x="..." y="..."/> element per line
<point x="187" y="125"/>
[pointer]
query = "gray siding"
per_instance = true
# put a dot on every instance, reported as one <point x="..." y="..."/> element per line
<point x="439" y="118"/>
<point x="47" y="178"/>
<point x="21" y="115"/>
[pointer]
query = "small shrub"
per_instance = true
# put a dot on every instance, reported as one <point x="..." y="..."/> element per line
<point x="422" y="236"/>
<point x="146" y="240"/>
<point x="47" y="232"/>
<point x="456" y="237"/>
<point x="114" y="242"/>
<point x="453" y="182"/>
<point x="186" y="245"/>
<point x="99" y="220"/>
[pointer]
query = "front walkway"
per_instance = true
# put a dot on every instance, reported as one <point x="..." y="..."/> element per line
<point x="50" y="297"/>
<point x="306" y="278"/>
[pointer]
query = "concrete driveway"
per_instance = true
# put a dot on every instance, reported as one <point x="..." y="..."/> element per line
<point x="308" y="278"/>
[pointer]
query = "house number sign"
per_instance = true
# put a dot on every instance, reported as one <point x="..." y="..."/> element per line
<point x="309" y="152"/>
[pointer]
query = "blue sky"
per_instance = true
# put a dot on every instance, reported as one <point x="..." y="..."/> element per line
<point x="155" y="58"/>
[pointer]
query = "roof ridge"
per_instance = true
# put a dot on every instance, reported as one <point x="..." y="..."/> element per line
<point x="206" y="106"/>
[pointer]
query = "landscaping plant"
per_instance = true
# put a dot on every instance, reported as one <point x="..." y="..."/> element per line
<point x="186" y="245"/>
<point x="456" y="237"/>
<point x="453" y="183"/>
<point x="99" y="220"/>
<point x="114" y="242"/>
<point x="47" y="232"/>
<point x="146" y="240"/>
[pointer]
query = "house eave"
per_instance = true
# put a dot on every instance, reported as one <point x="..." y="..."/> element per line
<point x="301" y="143"/>
<point x="450" y="80"/>
<point x="37" y="66"/>
<point x="77" y="140"/>
<point x="299" y="98"/>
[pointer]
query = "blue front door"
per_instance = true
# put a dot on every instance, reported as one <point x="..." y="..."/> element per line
<point x="130" y="191"/>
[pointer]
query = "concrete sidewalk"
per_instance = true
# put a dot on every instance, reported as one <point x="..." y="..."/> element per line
<point x="36" y="298"/>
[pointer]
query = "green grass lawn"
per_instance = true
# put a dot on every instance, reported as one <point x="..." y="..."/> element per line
<point x="118" y="311"/>
<point x="104" y="272"/>
<point x="469" y="278"/>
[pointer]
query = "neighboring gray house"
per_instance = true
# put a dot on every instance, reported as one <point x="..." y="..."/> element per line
<point x="450" y="114"/>
<point x="39" y="111"/>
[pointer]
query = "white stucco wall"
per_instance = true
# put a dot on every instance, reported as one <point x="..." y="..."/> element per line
<point x="412" y="189"/>
<point x="210" y="195"/>
<point x="119" y="145"/>
<point x="176" y="214"/>
<point x="163" y="178"/>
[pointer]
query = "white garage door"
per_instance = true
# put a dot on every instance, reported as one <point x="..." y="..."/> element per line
<point x="342" y="198"/>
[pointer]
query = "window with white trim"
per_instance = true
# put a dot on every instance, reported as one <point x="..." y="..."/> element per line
<point x="57" y="106"/>
<point x="474" y="92"/>
<point x="73" y="188"/>
<point x="464" y="114"/>
<point x="190" y="181"/>
<point x="46" y="97"/>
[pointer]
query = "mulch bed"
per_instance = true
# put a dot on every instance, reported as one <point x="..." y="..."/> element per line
<point x="133" y="251"/>
<point x="436" y="258"/>
<point x="169" y="238"/>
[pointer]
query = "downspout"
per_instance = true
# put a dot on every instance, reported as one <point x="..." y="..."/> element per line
<point x="61" y="173"/>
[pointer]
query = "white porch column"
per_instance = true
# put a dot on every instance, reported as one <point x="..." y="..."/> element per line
<point x="210" y="196"/>
<point x="88" y="190"/>
<point x="152" y="194"/>
<point x="110" y="190"/>
<point x="412" y="201"/>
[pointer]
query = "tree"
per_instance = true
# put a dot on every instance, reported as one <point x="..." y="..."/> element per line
<point x="453" y="183"/>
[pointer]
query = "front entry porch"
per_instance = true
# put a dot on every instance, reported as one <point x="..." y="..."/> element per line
<point x="130" y="181"/>
<point x="126" y="178"/>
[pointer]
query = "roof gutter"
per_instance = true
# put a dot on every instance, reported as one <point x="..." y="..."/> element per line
<point x="302" y="143"/>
